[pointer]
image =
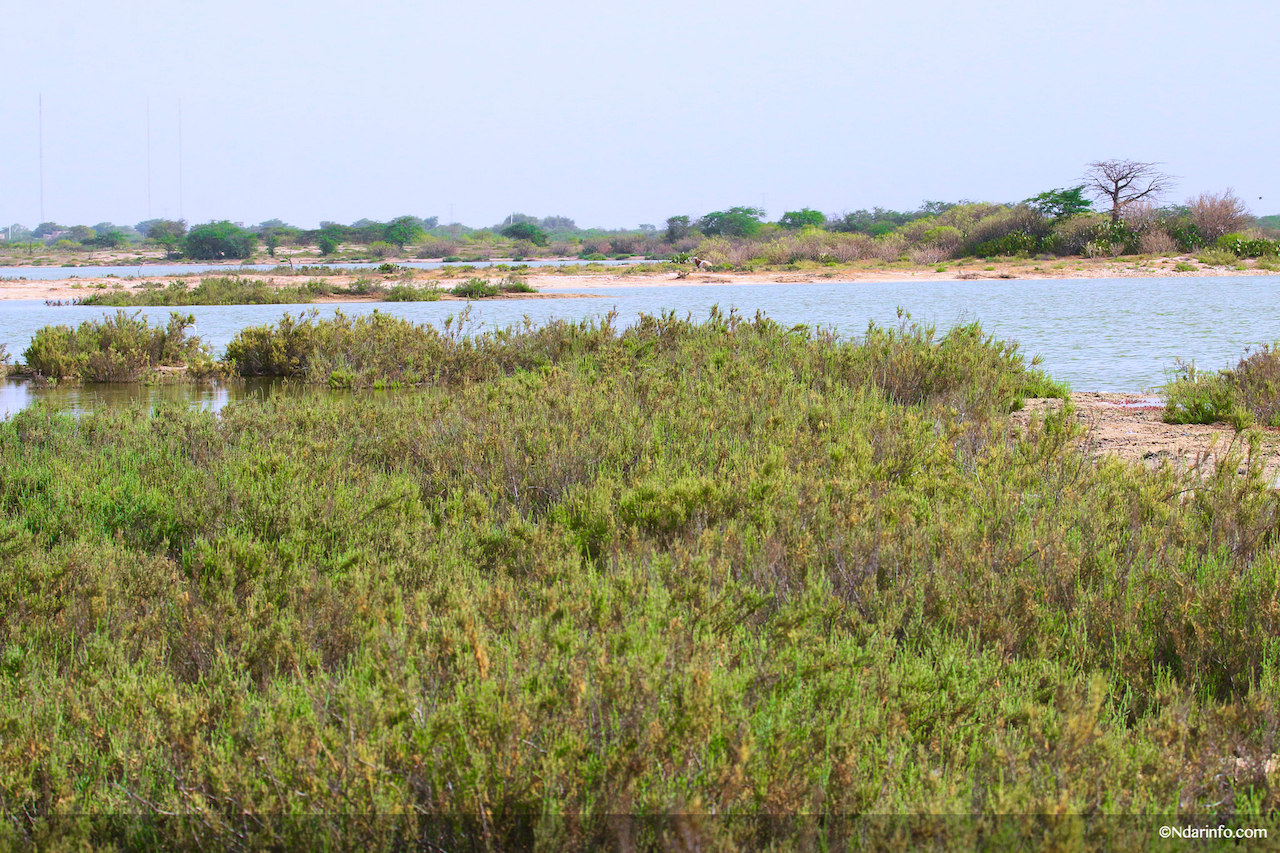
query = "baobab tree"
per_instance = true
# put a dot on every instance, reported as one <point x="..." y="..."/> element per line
<point x="1125" y="181"/>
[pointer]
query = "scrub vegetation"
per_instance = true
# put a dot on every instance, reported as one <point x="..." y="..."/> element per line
<point x="120" y="348"/>
<point x="584" y="589"/>
<point x="1133" y="219"/>
<point x="1246" y="394"/>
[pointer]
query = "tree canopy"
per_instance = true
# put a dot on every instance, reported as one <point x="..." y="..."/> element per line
<point x="734" y="222"/>
<point x="802" y="218"/>
<point x="218" y="240"/>
<point x="1059" y="204"/>
<point x="526" y="230"/>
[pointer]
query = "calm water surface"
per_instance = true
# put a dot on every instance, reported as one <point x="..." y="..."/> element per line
<point x="1095" y="334"/>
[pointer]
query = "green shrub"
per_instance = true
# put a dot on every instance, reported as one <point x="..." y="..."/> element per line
<point x="1183" y="266"/>
<point x="122" y="348"/>
<point x="1243" y="246"/>
<point x="1218" y="258"/>
<point x="475" y="288"/>
<point x="221" y="290"/>
<point x="1194" y="398"/>
<point x="409" y="293"/>
<point x="511" y="284"/>
<point x="1015" y="243"/>
<point x="1247" y="393"/>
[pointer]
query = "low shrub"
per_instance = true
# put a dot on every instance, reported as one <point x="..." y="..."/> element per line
<point x="1240" y="396"/>
<point x="225" y="290"/>
<point x="1218" y="258"/>
<point x="1244" y="246"/>
<point x="511" y="284"/>
<point x="475" y="288"/>
<point x="409" y="293"/>
<point x="120" y="348"/>
<point x="1196" y="398"/>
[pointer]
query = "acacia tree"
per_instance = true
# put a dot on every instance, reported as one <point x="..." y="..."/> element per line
<point x="794" y="219"/>
<point x="1123" y="182"/>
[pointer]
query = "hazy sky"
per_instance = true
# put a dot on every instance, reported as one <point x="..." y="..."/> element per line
<point x="617" y="114"/>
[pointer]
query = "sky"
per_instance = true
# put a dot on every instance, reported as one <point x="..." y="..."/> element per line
<point x="617" y="114"/>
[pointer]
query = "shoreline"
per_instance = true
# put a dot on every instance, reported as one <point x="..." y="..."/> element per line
<point x="569" y="278"/>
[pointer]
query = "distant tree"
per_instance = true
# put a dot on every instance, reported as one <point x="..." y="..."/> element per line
<point x="1216" y="214"/>
<point x="45" y="229"/>
<point x="429" y="222"/>
<point x="329" y="239"/>
<point x="1060" y="204"/>
<point x="678" y="227"/>
<point x="558" y="223"/>
<point x="1123" y="182"/>
<point x="273" y="243"/>
<point x="804" y="217"/>
<point x="646" y="228"/>
<point x="271" y="223"/>
<point x="935" y="208"/>
<point x="218" y="240"/>
<point x="80" y="233"/>
<point x="526" y="231"/>
<point x="112" y="239"/>
<point x="403" y="229"/>
<point x="170" y="233"/>
<point x="734" y="222"/>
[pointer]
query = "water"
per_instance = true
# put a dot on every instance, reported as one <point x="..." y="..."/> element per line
<point x="134" y="270"/>
<point x="1117" y="335"/>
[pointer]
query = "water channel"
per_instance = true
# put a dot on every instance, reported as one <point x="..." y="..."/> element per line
<point x="1120" y="335"/>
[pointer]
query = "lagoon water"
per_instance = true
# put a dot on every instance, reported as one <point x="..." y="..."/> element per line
<point x="1119" y="335"/>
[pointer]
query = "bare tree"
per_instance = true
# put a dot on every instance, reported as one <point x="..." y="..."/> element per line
<point x="1125" y="181"/>
<point x="1217" y="214"/>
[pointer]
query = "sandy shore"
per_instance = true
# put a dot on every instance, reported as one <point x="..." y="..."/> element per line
<point x="554" y="284"/>
<point x="1130" y="426"/>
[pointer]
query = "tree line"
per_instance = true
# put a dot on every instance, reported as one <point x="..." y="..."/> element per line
<point x="1115" y="208"/>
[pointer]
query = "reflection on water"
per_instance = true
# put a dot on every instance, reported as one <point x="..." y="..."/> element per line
<point x="17" y="394"/>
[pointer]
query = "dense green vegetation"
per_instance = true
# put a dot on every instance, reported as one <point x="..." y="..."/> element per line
<point x="1055" y="223"/>
<point x="234" y="290"/>
<point x="217" y="290"/>
<point x="123" y="348"/>
<point x="572" y="577"/>
<point x="1242" y="396"/>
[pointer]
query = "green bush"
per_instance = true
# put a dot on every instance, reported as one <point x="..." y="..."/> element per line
<point x="1194" y="398"/>
<point x="1250" y="392"/>
<point x="122" y="348"/>
<point x="1243" y="246"/>
<point x="1218" y="257"/>
<point x="223" y="290"/>
<point x="475" y="288"/>
<point x="1015" y="243"/>
<point x="511" y="284"/>
<point x="409" y="293"/>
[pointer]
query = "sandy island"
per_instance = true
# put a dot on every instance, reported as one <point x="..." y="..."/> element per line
<point x="554" y="282"/>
